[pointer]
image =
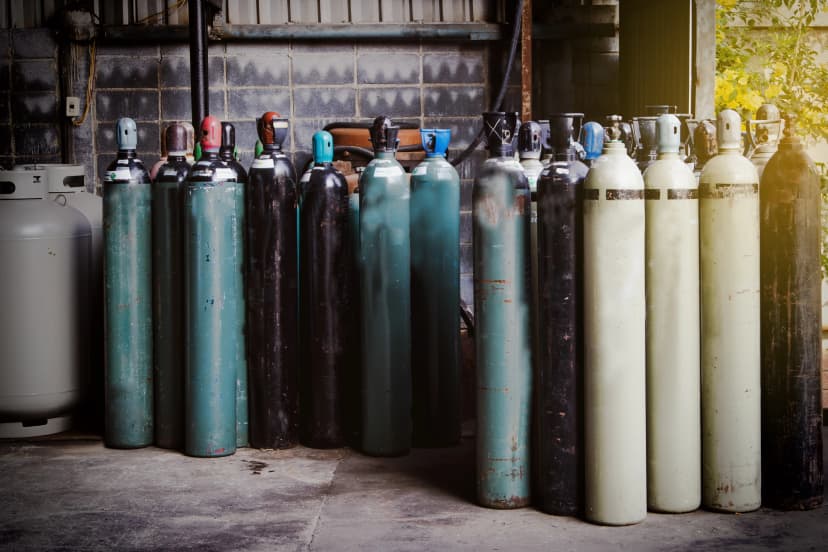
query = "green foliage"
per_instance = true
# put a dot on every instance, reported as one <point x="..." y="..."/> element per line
<point x="765" y="53"/>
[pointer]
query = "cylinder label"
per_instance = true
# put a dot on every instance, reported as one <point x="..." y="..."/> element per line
<point x="727" y="191"/>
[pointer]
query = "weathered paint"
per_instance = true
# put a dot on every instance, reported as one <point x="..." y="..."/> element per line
<point x="435" y="293"/>
<point x="127" y="222"/>
<point x="558" y="418"/>
<point x="792" y="472"/>
<point x="353" y="378"/>
<point x="501" y="203"/>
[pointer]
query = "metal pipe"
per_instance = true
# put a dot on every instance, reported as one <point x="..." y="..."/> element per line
<point x="345" y="31"/>
<point x="198" y="61"/>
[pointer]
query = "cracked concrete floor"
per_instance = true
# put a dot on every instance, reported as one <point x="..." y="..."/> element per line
<point x="72" y="493"/>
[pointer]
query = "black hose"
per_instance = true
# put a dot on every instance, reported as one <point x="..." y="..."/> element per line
<point x="503" y="85"/>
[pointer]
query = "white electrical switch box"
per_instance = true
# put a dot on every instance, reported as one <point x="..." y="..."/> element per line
<point x="72" y="106"/>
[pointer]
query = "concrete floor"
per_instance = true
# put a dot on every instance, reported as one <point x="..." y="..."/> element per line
<point x="70" y="492"/>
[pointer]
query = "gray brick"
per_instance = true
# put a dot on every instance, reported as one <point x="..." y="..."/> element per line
<point x="388" y="47"/>
<point x="149" y="143"/>
<point x="140" y="105"/>
<point x="5" y="140"/>
<point x="258" y="70"/>
<point x="453" y="68"/>
<point x="463" y="130"/>
<point x="246" y="135"/>
<point x="131" y="50"/>
<point x="33" y="43"/>
<point x="330" y="68"/>
<point x="245" y="158"/>
<point x="176" y="105"/>
<point x="466" y="251"/>
<point x="301" y="159"/>
<point x="466" y="187"/>
<point x="135" y="72"/>
<point x="324" y="102"/>
<point x="5" y="68"/>
<point x="257" y="49"/>
<point x="453" y="101"/>
<point x="30" y="159"/>
<point x="175" y="72"/>
<point x="34" y="75"/>
<point x="36" y="140"/>
<point x="249" y="103"/>
<point x="394" y="102"/>
<point x="5" y="43"/>
<point x="387" y="68"/>
<point x="215" y="49"/>
<point x="34" y="107"/>
<point x="303" y="130"/>
<point x="321" y="47"/>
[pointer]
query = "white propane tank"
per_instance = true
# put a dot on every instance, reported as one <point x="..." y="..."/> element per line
<point x="614" y="336"/>
<point x="44" y="260"/>
<point x="730" y="343"/>
<point x="673" y="378"/>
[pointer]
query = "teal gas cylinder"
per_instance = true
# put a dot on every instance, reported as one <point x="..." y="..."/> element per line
<point x="435" y="294"/>
<point x="168" y="289"/>
<point x="127" y="223"/>
<point x="501" y="206"/>
<point x="673" y="364"/>
<point x="385" y="277"/>
<point x="213" y="215"/>
<point x="730" y="342"/>
<point x="615" y="442"/>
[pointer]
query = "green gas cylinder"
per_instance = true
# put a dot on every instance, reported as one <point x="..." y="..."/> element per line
<point x="127" y="224"/>
<point x="501" y="205"/>
<point x="213" y="213"/>
<point x="435" y="292"/>
<point x="385" y="290"/>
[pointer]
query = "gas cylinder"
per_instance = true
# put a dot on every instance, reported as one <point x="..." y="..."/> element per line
<point x="127" y="223"/>
<point x="730" y="348"/>
<point x="353" y="379"/>
<point x="559" y="366"/>
<point x="530" y="141"/>
<point x="644" y="130"/>
<point x="385" y="288"/>
<point x="213" y="216"/>
<point x="592" y="139"/>
<point x="705" y="145"/>
<point x="189" y="144"/>
<point x="546" y="155"/>
<point x="66" y="185"/>
<point x="615" y="442"/>
<point x="229" y="154"/>
<point x="168" y="289"/>
<point x="672" y="281"/>
<point x="435" y="294"/>
<point x="44" y="270"/>
<point x="272" y="328"/>
<point x="792" y="476"/>
<point x="763" y="135"/>
<point x="325" y="314"/>
<point x="501" y="203"/>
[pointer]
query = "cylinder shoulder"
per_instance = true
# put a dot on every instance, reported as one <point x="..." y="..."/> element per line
<point x="122" y="171"/>
<point x="669" y="173"/>
<point x="730" y="169"/>
<point x="40" y="218"/>
<point x="435" y="170"/>
<point x="327" y="178"/>
<point x="614" y="171"/>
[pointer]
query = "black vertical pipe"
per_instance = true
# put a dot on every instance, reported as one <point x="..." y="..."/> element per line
<point x="198" y="62"/>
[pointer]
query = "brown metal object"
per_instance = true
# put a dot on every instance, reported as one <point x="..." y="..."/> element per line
<point x="526" y="62"/>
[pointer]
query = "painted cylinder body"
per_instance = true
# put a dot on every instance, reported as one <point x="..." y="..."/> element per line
<point x="127" y="215"/>
<point x="325" y="315"/>
<point x="272" y="330"/>
<point x="435" y="294"/>
<point x="353" y="378"/>
<point x="792" y="463"/>
<point x="672" y="280"/>
<point x="227" y="153"/>
<point x="213" y="212"/>
<point x="385" y="276"/>
<point x="559" y="366"/>
<point x="615" y="479"/>
<point x="730" y="348"/>
<point x="168" y="300"/>
<point x="500" y="217"/>
<point x="44" y="270"/>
